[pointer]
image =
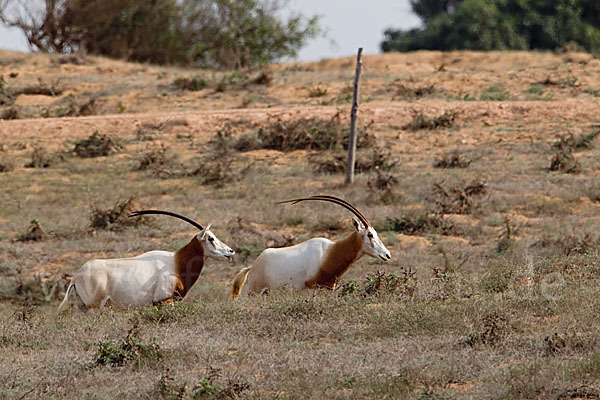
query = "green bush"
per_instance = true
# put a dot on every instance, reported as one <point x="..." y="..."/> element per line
<point x="500" y="25"/>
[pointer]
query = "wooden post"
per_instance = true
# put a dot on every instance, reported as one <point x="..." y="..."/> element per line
<point x="352" y="140"/>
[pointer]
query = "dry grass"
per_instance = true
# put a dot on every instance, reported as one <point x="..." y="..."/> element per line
<point x="487" y="295"/>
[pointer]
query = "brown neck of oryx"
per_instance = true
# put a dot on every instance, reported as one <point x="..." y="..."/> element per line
<point x="338" y="259"/>
<point x="189" y="261"/>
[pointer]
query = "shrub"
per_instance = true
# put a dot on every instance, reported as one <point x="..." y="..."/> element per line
<point x="191" y="84"/>
<point x="115" y="217"/>
<point x="421" y="121"/>
<point x="563" y="159"/>
<point x="129" y="348"/>
<point x="303" y="134"/>
<point x="453" y="159"/>
<point x="34" y="232"/>
<point x="97" y="145"/>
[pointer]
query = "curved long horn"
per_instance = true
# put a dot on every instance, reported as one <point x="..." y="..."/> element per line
<point x="335" y="200"/>
<point x="170" y="214"/>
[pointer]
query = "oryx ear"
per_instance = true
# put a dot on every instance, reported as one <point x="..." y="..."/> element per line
<point x="202" y="233"/>
<point x="358" y="226"/>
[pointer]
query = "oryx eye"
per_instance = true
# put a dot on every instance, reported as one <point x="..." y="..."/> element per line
<point x="370" y="235"/>
<point x="211" y="239"/>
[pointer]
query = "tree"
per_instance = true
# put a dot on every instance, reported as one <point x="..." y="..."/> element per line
<point x="220" y="33"/>
<point x="500" y="25"/>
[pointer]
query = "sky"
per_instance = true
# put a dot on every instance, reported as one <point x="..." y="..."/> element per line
<point x="350" y="24"/>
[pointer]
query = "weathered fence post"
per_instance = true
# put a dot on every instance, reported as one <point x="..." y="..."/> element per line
<point x="352" y="140"/>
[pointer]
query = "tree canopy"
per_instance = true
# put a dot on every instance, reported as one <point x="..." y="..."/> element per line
<point x="499" y="25"/>
<point x="218" y="33"/>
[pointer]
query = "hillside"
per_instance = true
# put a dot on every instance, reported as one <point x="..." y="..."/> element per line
<point x="479" y="171"/>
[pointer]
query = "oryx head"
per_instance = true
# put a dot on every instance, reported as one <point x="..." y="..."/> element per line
<point x="211" y="245"/>
<point x="371" y="244"/>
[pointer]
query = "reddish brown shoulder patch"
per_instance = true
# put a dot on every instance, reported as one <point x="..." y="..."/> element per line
<point x="339" y="258"/>
<point x="189" y="261"/>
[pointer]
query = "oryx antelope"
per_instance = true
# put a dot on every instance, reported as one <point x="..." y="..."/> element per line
<point x="317" y="262"/>
<point x="153" y="277"/>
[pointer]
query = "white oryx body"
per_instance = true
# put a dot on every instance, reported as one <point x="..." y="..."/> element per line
<point x="289" y="266"/>
<point x="136" y="281"/>
<point x="316" y="263"/>
<point x="152" y="277"/>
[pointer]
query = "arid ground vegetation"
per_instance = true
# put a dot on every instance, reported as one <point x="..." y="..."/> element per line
<point x="478" y="170"/>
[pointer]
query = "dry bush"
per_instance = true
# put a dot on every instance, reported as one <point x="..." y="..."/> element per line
<point x="220" y="166"/>
<point x="40" y="158"/>
<point x="563" y="159"/>
<point x="317" y="91"/>
<point x="97" y="145"/>
<point x="421" y="121"/>
<point x="74" y="59"/>
<point x="146" y="130"/>
<point x="453" y="159"/>
<point x="383" y="283"/>
<point x="115" y="217"/>
<point x="576" y="143"/>
<point x="457" y="200"/>
<point x="378" y="159"/>
<point x="6" y="166"/>
<point x="10" y="113"/>
<point x="34" y="232"/>
<point x="506" y="240"/>
<point x="190" y="84"/>
<point x="493" y="330"/>
<point x="383" y="188"/>
<point x="42" y="88"/>
<point x="161" y="162"/>
<point x="303" y="134"/>
<point x="421" y="225"/>
<point x="568" y="244"/>
<point x="72" y="107"/>
<point x="263" y="78"/>
<point x="405" y="92"/>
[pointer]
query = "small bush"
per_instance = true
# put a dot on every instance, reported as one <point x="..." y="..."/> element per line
<point x="495" y="93"/>
<point x="493" y="330"/>
<point x="34" y="232"/>
<point x="146" y="130"/>
<point x="378" y="159"/>
<point x="421" y="121"/>
<point x="317" y="91"/>
<point x="10" y="113"/>
<point x="382" y="282"/>
<point x="576" y="143"/>
<point x="453" y="159"/>
<point x="303" y="134"/>
<point x="404" y="92"/>
<point x="423" y="224"/>
<point x="191" y="84"/>
<point x="115" y="218"/>
<point x="5" y="166"/>
<point x="563" y="159"/>
<point x="457" y="200"/>
<point x="41" y="159"/>
<point x="97" y="145"/>
<point x="130" y="348"/>
<point x="161" y="162"/>
<point x="384" y="186"/>
<point x="53" y="89"/>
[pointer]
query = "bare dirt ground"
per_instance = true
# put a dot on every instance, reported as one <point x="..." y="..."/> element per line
<point x="483" y="183"/>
